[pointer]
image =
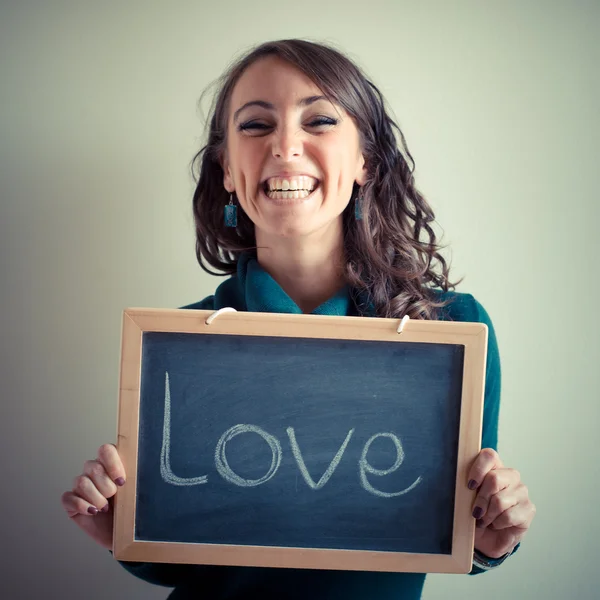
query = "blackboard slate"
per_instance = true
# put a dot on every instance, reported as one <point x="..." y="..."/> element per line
<point x="322" y="388"/>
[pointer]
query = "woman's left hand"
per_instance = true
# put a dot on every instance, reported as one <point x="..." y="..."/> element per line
<point x="502" y="506"/>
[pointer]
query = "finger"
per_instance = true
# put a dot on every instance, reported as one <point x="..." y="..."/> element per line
<point x="76" y="505"/>
<point x="110" y="459"/>
<point x="517" y="517"/>
<point x="511" y="496"/>
<point x="84" y="488"/>
<point x="486" y="460"/>
<point x="494" y="483"/>
<point x="97" y="473"/>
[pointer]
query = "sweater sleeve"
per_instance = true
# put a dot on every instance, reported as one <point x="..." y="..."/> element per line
<point x="174" y="575"/>
<point x="491" y="406"/>
<point x="467" y="309"/>
<point x="165" y="574"/>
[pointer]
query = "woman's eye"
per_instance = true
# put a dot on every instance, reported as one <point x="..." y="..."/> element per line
<point x="252" y="125"/>
<point x="323" y="121"/>
<point x="318" y="122"/>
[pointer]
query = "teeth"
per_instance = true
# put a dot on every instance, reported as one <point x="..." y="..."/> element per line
<point x="288" y="194"/>
<point x="293" y="183"/>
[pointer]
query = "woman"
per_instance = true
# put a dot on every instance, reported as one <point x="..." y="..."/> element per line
<point x="306" y="200"/>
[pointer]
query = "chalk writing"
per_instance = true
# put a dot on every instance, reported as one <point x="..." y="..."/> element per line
<point x="165" y="450"/>
<point x="227" y="473"/>
<point x="365" y="467"/>
<point x="221" y="459"/>
<point x="302" y="466"/>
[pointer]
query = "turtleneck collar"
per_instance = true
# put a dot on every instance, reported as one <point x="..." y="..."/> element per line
<point x="263" y="294"/>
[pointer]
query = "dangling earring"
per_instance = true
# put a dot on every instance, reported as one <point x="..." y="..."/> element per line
<point x="358" y="205"/>
<point x="230" y="213"/>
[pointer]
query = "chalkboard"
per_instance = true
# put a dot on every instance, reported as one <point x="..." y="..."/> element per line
<point x="296" y="440"/>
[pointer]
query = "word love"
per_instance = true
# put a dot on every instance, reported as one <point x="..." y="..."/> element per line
<point x="230" y="476"/>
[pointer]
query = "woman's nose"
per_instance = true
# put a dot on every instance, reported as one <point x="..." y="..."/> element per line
<point x="287" y="143"/>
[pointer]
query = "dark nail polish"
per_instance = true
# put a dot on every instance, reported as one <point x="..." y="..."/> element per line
<point x="92" y="510"/>
<point x="120" y="481"/>
<point x="105" y="509"/>
<point x="472" y="484"/>
<point x="477" y="512"/>
<point x="479" y="523"/>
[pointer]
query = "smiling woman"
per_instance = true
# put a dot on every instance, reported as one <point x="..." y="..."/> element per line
<point x="322" y="216"/>
<point x="295" y="108"/>
<point x="299" y="140"/>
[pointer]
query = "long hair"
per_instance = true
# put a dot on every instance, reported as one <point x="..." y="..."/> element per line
<point x="386" y="263"/>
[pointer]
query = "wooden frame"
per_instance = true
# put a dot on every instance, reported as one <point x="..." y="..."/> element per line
<point x="136" y="321"/>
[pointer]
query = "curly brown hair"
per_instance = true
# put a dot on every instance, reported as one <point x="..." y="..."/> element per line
<point x="386" y="263"/>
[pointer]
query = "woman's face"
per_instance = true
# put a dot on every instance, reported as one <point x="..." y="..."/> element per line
<point x="280" y="135"/>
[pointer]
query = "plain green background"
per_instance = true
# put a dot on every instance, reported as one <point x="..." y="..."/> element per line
<point x="98" y="123"/>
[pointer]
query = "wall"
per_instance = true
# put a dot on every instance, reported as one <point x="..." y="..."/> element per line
<point x="99" y="122"/>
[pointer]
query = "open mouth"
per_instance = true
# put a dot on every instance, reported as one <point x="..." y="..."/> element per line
<point x="297" y="194"/>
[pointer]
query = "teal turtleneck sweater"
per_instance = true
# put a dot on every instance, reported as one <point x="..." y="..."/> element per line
<point x="253" y="289"/>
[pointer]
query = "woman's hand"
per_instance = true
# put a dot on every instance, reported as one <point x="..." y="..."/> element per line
<point x="502" y="506"/>
<point x="89" y="503"/>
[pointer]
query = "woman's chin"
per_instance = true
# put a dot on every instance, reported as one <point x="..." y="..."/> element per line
<point x="287" y="228"/>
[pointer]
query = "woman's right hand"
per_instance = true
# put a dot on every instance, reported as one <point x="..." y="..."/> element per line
<point x="90" y="503"/>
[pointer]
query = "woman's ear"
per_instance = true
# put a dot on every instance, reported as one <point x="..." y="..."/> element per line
<point x="227" y="175"/>
<point x="361" y="171"/>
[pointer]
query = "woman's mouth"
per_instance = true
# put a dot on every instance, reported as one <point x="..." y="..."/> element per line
<point x="289" y="196"/>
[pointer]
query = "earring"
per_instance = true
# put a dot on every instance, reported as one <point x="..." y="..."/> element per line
<point x="358" y="205"/>
<point x="230" y="213"/>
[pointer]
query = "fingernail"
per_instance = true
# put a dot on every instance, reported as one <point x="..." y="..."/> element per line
<point x="472" y="484"/>
<point x="479" y="523"/>
<point x="105" y="509"/>
<point x="477" y="512"/>
<point x="92" y="510"/>
<point x="120" y="481"/>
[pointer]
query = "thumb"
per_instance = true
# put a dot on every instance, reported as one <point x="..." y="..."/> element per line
<point x="99" y="526"/>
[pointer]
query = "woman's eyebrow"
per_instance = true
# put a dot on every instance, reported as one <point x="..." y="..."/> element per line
<point x="303" y="102"/>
